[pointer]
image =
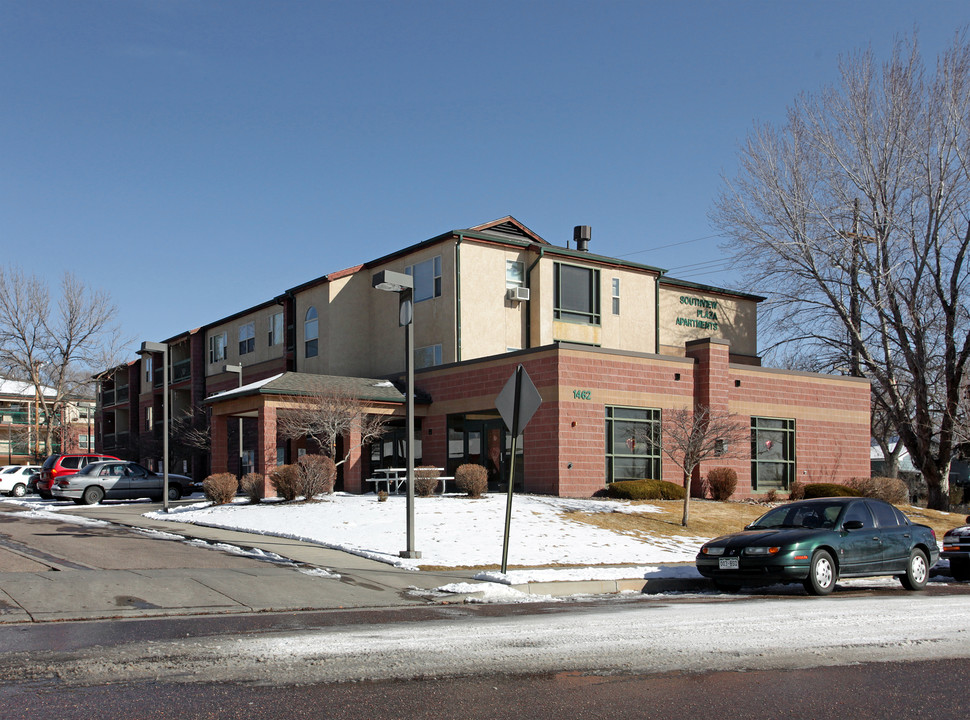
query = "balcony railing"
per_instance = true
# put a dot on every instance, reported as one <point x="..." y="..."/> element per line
<point x="182" y="370"/>
<point x="107" y="397"/>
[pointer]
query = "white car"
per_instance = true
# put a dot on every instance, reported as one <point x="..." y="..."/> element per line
<point x="14" y="479"/>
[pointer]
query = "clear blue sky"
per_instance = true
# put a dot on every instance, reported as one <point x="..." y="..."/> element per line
<point x="196" y="157"/>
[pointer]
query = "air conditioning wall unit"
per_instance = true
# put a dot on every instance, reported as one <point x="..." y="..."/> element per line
<point x="517" y="294"/>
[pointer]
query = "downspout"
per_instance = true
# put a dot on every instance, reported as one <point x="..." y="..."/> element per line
<point x="656" y="313"/>
<point x="461" y="237"/>
<point x="528" y="312"/>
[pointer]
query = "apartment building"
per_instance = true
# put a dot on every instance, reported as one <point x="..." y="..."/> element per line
<point x="22" y="422"/>
<point x="611" y="346"/>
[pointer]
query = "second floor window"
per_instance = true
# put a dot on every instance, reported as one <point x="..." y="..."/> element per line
<point x="427" y="278"/>
<point x="217" y="347"/>
<point x="311" y="332"/>
<point x="428" y="356"/>
<point x="616" y="296"/>
<point x="149" y="364"/>
<point x="514" y="274"/>
<point x="577" y="294"/>
<point x="247" y="338"/>
<point x="276" y="329"/>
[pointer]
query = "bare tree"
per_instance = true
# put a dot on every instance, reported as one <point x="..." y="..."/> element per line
<point x="691" y="436"/>
<point x="855" y="218"/>
<point x="55" y="346"/>
<point x="326" y="416"/>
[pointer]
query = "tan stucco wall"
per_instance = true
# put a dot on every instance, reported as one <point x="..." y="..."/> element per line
<point x="633" y="329"/>
<point x="262" y="351"/>
<point x="490" y="323"/>
<point x="719" y="316"/>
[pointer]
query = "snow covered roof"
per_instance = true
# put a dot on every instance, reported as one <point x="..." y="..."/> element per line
<point x="19" y="388"/>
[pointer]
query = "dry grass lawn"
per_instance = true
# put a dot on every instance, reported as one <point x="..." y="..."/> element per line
<point x="710" y="519"/>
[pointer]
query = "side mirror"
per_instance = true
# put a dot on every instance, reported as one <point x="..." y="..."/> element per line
<point x="852" y="525"/>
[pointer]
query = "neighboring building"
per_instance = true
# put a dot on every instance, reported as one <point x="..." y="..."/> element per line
<point x="610" y="344"/>
<point x="22" y="420"/>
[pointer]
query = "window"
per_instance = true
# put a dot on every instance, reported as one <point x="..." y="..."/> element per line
<point x="275" y="329"/>
<point x="616" y="296"/>
<point x="514" y="274"/>
<point x="632" y="444"/>
<point x="217" y="347"/>
<point x="247" y="338"/>
<point x="149" y="362"/>
<point x="427" y="278"/>
<point x="772" y="453"/>
<point x="427" y="356"/>
<point x="310" y="332"/>
<point x="148" y="418"/>
<point x="577" y="294"/>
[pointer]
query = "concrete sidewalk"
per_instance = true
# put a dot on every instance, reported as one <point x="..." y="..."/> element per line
<point x="321" y="579"/>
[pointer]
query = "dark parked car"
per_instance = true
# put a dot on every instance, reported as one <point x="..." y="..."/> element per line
<point x="816" y="542"/>
<point x="956" y="549"/>
<point x="65" y="464"/>
<point x="118" y="480"/>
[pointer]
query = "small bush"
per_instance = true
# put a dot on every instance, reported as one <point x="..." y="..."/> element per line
<point x="252" y="485"/>
<point x="285" y="481"/>
<point x="220" y="488"/>
<point x="771" y="496"/>
<point x="722" y="482"/>
<point x="820" y="490"/>
<point x="797" y="490"/>
<point x="645" y="490"/>
<point x="472" y="479"/>
<point x="382" y="496"/>
<point x="315" y="475"/>
<point x="892" y="490"/>
<point x="426" y="480"/>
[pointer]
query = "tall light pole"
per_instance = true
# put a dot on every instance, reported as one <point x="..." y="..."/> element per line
<point x="149" y="348"/>
<point x="237" y="369"/>
<point x="403" y="284"/>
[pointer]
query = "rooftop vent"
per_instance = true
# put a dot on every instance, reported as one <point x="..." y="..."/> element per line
<point x="581" y="234"/>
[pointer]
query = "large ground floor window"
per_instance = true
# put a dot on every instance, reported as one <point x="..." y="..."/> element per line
<point x="632" y="443"/>
<point x="772" y="453"/>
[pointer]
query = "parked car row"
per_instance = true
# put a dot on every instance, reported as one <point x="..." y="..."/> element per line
<point x="89" y="479"/>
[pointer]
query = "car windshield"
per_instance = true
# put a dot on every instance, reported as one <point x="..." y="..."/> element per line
<point x="820" y="514"/>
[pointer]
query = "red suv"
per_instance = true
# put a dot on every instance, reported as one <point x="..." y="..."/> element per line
<point x="59" y="465"/>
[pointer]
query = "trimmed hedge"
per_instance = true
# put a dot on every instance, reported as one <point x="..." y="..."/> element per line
<point x="821" y="490"/>
<point x="472" y="479"/>
<point x="722" y="482"/>
<point x="426" y="480"/>
<point x="645" y="490"/>
<point x="220" y="488"/>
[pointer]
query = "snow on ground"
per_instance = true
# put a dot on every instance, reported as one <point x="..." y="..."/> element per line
<point x="454" y="531"/>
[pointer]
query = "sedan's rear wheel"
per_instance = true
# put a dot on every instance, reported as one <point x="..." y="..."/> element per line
<point x="917" y="571"/>
<point x="92" y="495"/>
<point x="174" y="492"/>
<point x="19" y="490"/>
<point x="822" y="574"/>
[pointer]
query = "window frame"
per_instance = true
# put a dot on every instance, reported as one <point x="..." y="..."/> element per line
<point x="426" y="287"/>
<point x="616" y="295"/>
<point x="589" y="316"/>
<point x="653" y="417"/>
<point x="216" y="347"/>
<point x="275" y="329"/>
<point x="247" y="338"/>
<point x="434" y="350"/>
<point x="311" y="342"/>
<point x="760" y="426"/>
<point x="514" y="278"/>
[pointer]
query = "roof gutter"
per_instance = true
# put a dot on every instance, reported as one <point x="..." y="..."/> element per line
<point x="461" y="236"/>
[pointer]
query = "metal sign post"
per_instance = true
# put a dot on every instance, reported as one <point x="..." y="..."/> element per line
<point x="517" y="403"/>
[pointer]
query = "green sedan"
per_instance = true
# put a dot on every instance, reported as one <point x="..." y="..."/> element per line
<point x="816" y="542"/>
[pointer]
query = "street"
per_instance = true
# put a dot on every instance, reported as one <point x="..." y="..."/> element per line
<point x="876" y="649"/>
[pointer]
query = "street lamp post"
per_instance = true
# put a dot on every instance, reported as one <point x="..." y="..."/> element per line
<point x="237" y="369"/>
<point x="403" y="284"/>
<point x="148" y="348"/>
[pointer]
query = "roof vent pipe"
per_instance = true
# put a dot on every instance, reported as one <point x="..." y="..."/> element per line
<point x="581" y="234"/>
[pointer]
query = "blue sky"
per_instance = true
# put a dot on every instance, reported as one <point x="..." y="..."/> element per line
<point x="197" y="157"/>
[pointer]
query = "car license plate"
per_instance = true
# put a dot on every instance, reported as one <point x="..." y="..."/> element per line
<point x="727" y="563"/>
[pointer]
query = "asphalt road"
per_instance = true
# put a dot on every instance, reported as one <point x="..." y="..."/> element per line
<point x="874" y="691"/>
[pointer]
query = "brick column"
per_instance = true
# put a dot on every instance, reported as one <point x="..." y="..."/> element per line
<point x="219" y="441"/>
<point x="266" y="447"/>
<point x="711" y="383"/>
<point x="353" y="468"/>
